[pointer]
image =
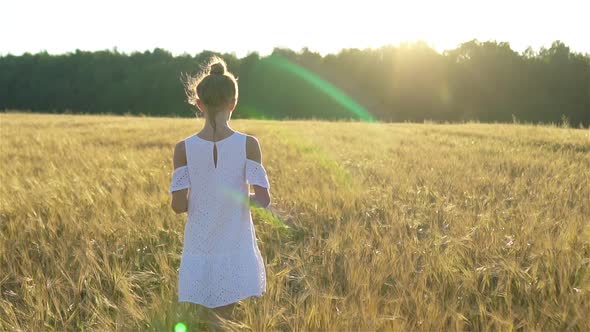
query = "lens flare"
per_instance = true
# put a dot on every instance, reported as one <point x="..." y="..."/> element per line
<point x="266" y="215"/>
<point x="180" y="327"/>
<point x="251" y="112"/>
<point x="326" y="87"/>
<point x="234" y="195"/>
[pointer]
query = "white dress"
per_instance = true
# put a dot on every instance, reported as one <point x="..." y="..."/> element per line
<point x="220" y="262"/>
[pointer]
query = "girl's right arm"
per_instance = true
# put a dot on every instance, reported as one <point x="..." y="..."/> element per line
<point x="180" y="182"/>
<point x="256" y="174"/>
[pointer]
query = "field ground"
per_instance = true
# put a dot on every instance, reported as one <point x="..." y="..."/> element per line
<point x="373" y="226"/>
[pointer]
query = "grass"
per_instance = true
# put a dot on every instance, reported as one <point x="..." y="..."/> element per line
<point x="373" y="226"/>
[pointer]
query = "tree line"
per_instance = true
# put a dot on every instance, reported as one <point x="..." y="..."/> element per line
<point x="483" y="81"/>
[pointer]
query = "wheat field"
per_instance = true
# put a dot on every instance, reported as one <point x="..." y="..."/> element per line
<point x="373" y="226"/>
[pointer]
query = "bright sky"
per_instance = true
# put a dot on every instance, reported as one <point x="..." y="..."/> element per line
<point x="60" y="26"/>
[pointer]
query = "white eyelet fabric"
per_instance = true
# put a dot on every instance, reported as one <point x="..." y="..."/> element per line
<point x="256" y="174"/>
<point x="180" y="179"/>
<point x="221" y="262"/>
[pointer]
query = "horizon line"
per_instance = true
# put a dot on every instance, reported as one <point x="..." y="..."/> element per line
<point x="123" y="51"/>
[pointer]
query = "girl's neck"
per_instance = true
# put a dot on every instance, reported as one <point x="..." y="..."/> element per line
<point x="222" y="128"/>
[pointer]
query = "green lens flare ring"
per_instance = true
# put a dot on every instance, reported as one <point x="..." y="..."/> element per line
<point x="180" y="327"/>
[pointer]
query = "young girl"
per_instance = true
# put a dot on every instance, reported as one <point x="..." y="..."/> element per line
<point x="221" y="262"/>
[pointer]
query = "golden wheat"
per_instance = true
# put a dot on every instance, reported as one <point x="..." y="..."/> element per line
<point x="374" y="226"/>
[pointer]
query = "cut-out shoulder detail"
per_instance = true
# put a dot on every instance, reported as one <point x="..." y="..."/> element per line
<point x="180" y="179"/>
<point x="253" y="149"/>
<point x="256" y="174"/>
<point x="180" y="154"/>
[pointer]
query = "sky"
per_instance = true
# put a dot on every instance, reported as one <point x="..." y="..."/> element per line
<point x="241" y="27"/>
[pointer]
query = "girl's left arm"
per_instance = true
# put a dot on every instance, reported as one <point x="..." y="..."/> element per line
<point x="256" y="173"/>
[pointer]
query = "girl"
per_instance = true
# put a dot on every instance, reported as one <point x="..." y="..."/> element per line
<point x="221" y="262"/>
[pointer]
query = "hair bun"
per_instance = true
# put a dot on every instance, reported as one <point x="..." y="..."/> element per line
<point x="217" y="69"/>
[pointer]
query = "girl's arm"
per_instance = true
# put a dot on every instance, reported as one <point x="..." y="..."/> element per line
<point x="261" y="194"/>
<point x="180" y="197"/>
<point x="257" y="201"/>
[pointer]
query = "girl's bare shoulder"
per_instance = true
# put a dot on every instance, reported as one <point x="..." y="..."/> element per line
<point x="253" y="149"/>
<point x="179" y="154"/>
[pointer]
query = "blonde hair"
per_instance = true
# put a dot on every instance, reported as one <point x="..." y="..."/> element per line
<point x="213" y="85"/>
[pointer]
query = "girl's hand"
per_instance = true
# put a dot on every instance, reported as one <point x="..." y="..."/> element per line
<point x="254" y="201"/>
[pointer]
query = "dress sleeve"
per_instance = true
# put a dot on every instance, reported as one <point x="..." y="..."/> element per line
<point x="180" y="179"/>
<point x="256" y="174"/>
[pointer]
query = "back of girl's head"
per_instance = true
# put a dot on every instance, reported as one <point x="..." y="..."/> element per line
<point x="214" y="85"/>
